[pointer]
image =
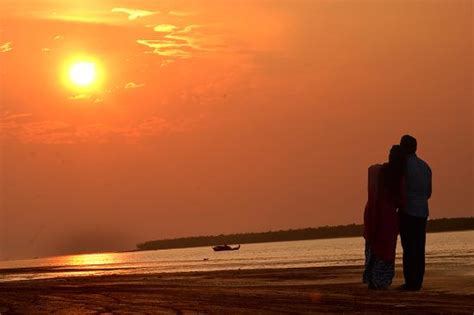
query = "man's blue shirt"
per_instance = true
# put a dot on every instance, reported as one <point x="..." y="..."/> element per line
<point x="418" y="187"/>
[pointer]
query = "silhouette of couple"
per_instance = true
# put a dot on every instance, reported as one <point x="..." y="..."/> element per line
<point x="398" y="193"/>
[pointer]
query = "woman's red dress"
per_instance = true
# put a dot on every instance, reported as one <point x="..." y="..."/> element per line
<point x="380" y="217"/>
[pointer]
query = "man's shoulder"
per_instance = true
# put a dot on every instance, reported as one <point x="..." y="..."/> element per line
<point x="423" y="163"/>
<point x="375" y="167"/>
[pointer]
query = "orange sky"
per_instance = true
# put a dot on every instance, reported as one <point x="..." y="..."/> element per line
<point x="222" y="116"/>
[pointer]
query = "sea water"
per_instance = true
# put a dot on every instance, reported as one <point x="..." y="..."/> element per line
<point x="442" y="248"/>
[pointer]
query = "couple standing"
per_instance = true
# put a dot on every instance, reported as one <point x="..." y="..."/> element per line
<point x="397" y="203"/>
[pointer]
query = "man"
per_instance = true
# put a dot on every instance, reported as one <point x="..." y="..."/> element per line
<point x="414" y="215"/>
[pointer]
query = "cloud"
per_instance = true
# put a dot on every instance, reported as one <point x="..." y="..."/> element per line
<point x="14" y="127"/>
<point x="92" y="16"/>
<point x="189" y="28"/>
<point x="132" y="85"/>
<point x="58" y="37"/>
<point x="6" y="116"/>
<point x="158" y="126"/>
<point x="170" y="28"/>
<point x="175" y="42"/>
<point x="46" y="128"/>
<point x="95" y="98"/>
<point x="6" y="47"/>
<point x="181" y="13"/>
<point x="164" y="28"/>
<point x="152" y="126"/>
<point x="134" y="14"/>
<point x="168" y="48"/>
<point x="46" y="49"/>
<point x="80" y="97"/>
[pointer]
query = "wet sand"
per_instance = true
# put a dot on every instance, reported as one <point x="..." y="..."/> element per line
<point x="306" y="290"/>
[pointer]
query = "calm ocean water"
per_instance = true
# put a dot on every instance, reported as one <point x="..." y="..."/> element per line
<point x="451" y="247"/>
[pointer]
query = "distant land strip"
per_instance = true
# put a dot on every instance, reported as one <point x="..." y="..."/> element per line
<point x="351" y="230"/>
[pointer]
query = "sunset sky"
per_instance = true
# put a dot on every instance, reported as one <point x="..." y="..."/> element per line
<point x="212" y="116"/>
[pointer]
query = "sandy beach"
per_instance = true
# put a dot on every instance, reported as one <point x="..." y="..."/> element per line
<point x="305" y="290"/>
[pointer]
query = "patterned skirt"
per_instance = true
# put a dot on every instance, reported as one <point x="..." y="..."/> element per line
<point x="378" y="274"/>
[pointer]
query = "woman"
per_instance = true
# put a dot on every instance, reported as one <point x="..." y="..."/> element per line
<point x="386" y="194"/>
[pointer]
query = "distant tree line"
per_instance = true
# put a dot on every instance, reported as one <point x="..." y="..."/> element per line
<point x="351" y="230"/>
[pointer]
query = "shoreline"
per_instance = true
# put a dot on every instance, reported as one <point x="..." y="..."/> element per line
<point x="447" y="289"/>
<point x="203" y="246"/>
<point x="434" y="225"/>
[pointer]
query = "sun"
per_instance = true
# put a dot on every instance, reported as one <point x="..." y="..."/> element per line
<point x="83" y="73"/>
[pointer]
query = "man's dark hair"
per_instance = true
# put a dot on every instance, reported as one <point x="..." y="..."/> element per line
<point x="409" y="144"/>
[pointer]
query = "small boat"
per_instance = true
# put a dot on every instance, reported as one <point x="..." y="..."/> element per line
<point x="220" y="248"/>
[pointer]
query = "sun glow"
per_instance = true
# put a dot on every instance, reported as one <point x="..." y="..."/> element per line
<point x="83" y="73"/>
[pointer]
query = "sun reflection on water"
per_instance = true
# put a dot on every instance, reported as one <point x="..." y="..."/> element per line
<point x="90" y="259"/>
<point x="452" y="248"/>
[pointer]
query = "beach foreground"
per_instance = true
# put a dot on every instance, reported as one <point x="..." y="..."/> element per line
<point x="305" y="290"/>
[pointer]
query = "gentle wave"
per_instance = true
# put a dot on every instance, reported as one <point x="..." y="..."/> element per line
<point x="452" y="247"/>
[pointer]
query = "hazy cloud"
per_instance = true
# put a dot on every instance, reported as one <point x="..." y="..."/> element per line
<point x="80" y="97"/>
<point x="14" y="127"/>
<point x="158" y="126"/>
<point x="6" y="47"/>
<point x="189" y="28"/>
<point x="48" y="132"/>
<point x="7" y="116"/>
<point x="85" y="16"/>
<point x="176" y="42"/>
<point x="164" y="28"/>
<point x="132" y="85"/>
<point x="134" y="14"/>
<point x="181" y="13"/>
<point x="168" y="48"/>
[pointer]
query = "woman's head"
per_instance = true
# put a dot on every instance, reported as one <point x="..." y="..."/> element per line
<point x="396" y="158"/>
<point x="395" y="169"/>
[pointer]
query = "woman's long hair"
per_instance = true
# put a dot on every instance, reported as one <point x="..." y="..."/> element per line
<point x="395" y="170"/>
